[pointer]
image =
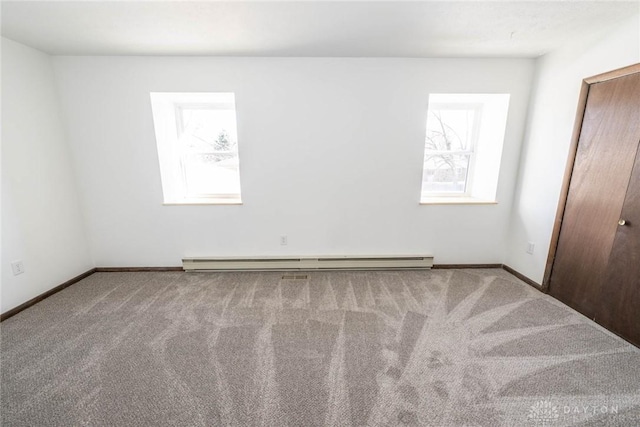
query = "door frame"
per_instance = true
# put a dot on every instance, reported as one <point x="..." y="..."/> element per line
<point x="573" y="148"/>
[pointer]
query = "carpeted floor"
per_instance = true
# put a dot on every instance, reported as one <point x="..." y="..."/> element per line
<point x="432" y="348"/>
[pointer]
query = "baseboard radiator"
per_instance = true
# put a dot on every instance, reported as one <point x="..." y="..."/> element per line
<point x="308" y="263"/>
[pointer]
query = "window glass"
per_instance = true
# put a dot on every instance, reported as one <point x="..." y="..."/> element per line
<point x="197" y="141"/>
<point x="463" y="147"/>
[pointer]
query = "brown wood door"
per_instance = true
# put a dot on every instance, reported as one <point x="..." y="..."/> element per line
<point x="619" y="302"/>
<point x="605" y="157"/>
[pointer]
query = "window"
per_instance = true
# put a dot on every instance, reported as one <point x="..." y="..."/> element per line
<point x="463" y="147"/>
<point x="197" y="144"/>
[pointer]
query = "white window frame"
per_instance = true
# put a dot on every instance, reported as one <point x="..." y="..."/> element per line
<point x="488" y="135"/>
<point x="168" y="123"/>
<point x="477" y="118"/>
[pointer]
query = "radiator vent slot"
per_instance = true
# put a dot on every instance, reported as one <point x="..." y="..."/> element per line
<point x="295" y="277"/>
<point x="367" y="262"/>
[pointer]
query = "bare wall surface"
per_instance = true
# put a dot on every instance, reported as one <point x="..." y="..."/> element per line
<point x="41" y="217"/>
<point x="558" y="80"/>
<point x="330" y="155"/>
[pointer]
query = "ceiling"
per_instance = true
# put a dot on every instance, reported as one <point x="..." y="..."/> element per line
<point x="309" y="28"/>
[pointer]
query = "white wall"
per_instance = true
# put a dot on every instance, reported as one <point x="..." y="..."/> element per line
<point x="41" y="220"/>
<point x="330" y="151"/>
<point x="552" y="115"/>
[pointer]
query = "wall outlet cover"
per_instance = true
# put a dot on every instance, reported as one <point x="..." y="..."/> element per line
<point x="17" y="267"/>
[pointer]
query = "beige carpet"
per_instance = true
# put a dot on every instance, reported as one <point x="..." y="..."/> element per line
<point x="431" y="348"/>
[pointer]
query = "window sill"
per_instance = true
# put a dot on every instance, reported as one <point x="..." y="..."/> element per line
<point x="456" y="201"/>
<point x="199" y="202"/>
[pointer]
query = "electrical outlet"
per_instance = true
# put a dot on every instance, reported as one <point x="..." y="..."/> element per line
<point x="284" y="240"/>
<point x="530" y="247"/>
<point x="17" y="267"/>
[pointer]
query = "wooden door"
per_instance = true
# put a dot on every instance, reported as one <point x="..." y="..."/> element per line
<point x="619" y="301"/>
<point x="584" y="270"/>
